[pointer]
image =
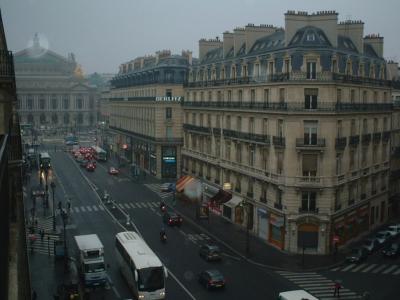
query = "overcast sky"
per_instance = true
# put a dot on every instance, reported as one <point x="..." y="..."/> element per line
<point x="105" y="33"/>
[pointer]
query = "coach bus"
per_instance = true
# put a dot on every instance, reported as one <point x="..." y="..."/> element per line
<point x="44" y="160"/>
<point x="99" y="153"/>
<point x="141" y="268"/>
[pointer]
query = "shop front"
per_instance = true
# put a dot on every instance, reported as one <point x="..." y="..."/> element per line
<point x="262" y="224"/>
<point x="232" y="211"/>
<point x="277" y="230"/>
<point x="153" y="160"/>
<point x="218" y="200"/>
<point x="307" y="237"/>
<point x="169" y="162"/>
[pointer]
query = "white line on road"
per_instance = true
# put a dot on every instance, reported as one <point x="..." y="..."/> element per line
<point x="76" y="209"/>
<point x="138" y="205"/>
<point x="378" y="269"/>
<point x="358" y="267"/>
<point x="95" y="208"/>
<point x="389" y="270"/>
<point x="369" y="268"/>
<point x="133" y="205"/>
<point x="348" y="267"/>
<point x="83" y="208"/>
<point x="88" y="208"/>
<point x="231" y="256"/>
<point x="397" y="272"/>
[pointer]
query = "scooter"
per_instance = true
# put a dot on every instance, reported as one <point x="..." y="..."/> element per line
<point x="163" y="238"/>
<point x="163" y="207"/>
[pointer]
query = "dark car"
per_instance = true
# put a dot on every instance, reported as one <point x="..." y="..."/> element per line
<point x="357" y="255"/>
<point x="392" y="250"/>
<point x="371" y="245"/>
<point x="210" y="252"/>
<point x="171" y="218"/>
<point x="90" y="167"/>
<point x="212" y="279"/>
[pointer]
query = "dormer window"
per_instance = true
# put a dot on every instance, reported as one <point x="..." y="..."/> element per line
<point x="310" y="37"/>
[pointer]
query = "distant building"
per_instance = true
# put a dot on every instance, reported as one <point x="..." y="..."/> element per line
<point x="52" y="92"/>
<point x="145" y="114"/>
<point x="297" y="121"/>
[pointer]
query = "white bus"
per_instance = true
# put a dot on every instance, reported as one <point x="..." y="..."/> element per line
<point x="99" y="153"/>
<point x="141" y="268"/>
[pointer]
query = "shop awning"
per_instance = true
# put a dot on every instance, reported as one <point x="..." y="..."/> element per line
<point x="235" y="201"/>
<point x="180" y="184"/>
<point x="221" y="197"/>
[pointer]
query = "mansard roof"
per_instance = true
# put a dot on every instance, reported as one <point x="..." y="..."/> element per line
<point x="268" y="43"/>
<point x="310" y="36"/>
<point x="369" y="51"/>
<point x="345" y="43"/>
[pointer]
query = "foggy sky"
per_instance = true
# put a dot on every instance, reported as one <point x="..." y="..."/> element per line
<point x="105" y="33"/>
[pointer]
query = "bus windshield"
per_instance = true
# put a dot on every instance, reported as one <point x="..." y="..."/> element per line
<point x="151" y="279"/>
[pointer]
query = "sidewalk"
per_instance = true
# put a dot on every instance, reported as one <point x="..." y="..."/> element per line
<point x="234" y="237"/>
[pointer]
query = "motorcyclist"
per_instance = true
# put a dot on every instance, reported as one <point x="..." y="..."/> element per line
<point x="162" y="206"/>
<point x="163" y="235"/>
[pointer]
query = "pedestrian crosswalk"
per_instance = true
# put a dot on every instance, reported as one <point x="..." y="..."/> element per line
<point x="126" y="205"/>
<point x="385" y="269"/>
<point x="156" y="188"/>
<point x="42" y="245"/>
<point x="318" y="285"/>
<point x="196" y="238"/>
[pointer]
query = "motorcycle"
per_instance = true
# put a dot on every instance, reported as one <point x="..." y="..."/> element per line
<point x="163" y="238"/>
<point x="163" y="207"/>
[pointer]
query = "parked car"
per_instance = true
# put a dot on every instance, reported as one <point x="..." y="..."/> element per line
<point x="383" y="237"/>
<point x="113" y="171"/>
<point x="392" y="250"/>
<point x="210" y="252"/>
<point x="171" y="218"/>
<point x="394" y="230"/>
<point x="212" y="279"/>
<point x="371" y="245"/>
<point x="357" y="255"/>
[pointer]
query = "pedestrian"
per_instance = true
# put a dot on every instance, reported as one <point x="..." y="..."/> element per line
<point x="41" y="234"/>
<point x="337" y="287"/>
<point x="59" y="205"/>
<point x="34" y="295"/>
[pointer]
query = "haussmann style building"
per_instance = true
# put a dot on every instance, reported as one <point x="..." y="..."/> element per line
<point x="297" y="122"/>
<point x="145" y="113"/>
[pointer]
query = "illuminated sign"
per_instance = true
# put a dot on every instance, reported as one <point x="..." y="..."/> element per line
<point x="169" y="159"/>
<point x="174" y="99"/>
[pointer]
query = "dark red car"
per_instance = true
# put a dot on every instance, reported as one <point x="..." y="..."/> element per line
<point x="90" y="167"/>
<point x="172" y="219"/>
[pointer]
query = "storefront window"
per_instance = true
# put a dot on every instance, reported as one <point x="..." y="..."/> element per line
<point x="168" y="162"/>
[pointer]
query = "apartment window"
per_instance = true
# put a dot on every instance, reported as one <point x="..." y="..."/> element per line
<point x="239" y="124"/>
<point x="228" y="150"/>
<point x="383" y="181"/>
<point x="265" y="159"/>
<point x="244" y="71"/>
<point x="339" y="96"/>
<point x="339" y="158"/>
<point x="375" y="125"/>
<point x="238" y="187"/>
<point x="217" y="147"/>
<point x="310" y="132"/>
<point x="250" y="187"/>
<point x="308" y="201"/>
<point x="373" y="185"/>
<point x="194" y="141"/>
<point x="222" y="74"/>
<point x="348" y="68"/>
<point x="352" y="96"/>
<point x="209" y="96"/>
<point x="201" y="119"/>
<point x="339" y="128"/>
<point x="279" y="167"/>
<point x="384" y="152"/>
<point x="365" y="97"/>
<point x="229" y="96"/>
<point x="252" y="96"/>
<point x="228" y="122"/>
<point x="311" y="70"/>
<point x="334" y="66"/>
<point x="42" y="102"/>
<point x="310" y="98"/>
<point x="310" y="37"/>
<point x="239" y="153"/>
<point x="281" y="95"/>
<point x="271" y="68"/>
<point x="338" y="204"/>
<point x="365" y="126"/>
<point x="218" y="122"/>
<point x="29" y="102"/>
<point x="352" y="193"/>
<point x="169" y="132"/>
<point x="187" y="118"/>
<point x="252" y="155"/>
<point x="287" y="65"/>
<point x="266" y="96"/>
<point x="54" y="103"/>
<point x="202" y="96"/>
<point x="278" y="196"/>
<point x="168" y="113"/>
<point x="240" y="96"/>
<point x="375" y="154"/>
<point x="280" y="128"/>
<point x="194" y="121"/>
<point x="79" y="102"/>
<point x="385" y="124"/>
<point x="256" y="70"/>
<point x="251" y="125"/>
<point x="364" y="153"/>
<point x="353" y="127"/>
<point x="265" y="126"/>
<point x="384" y="96"/>
<point x="219" y="96"/>
<point x="375" y="97"/>
<point x="209" y="121"/>
<point x="264" y="190"/>
<point x="363" y="187"/>
<point x="194" y="96"/>
<point x="352" y="159"/>
<point x="310" y="163"/>
<point x="372" y="215"/>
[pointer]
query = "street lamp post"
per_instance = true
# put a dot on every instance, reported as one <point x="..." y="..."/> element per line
<point x="53" y="187"/>
<point x="46" y="176"/>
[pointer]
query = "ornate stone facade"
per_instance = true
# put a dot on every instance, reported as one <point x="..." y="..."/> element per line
<point x="52" y="92"/>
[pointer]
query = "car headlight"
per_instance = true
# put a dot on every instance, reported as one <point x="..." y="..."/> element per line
<point x="141" y="296"/>
<point x="162" y="294"/>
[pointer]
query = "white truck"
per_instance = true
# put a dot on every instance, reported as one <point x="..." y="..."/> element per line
<point x="91" y="259"/>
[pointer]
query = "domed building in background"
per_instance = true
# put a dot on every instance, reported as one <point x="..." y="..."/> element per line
<point x="52" y="90"/>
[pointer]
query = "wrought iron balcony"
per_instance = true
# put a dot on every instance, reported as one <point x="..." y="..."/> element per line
<point x="340" y="143"/>
<point x="246" y="136"/>
<point x="196" y="128"/>
<point x="278" y="141"/>
<point x="250" y="194"/>
<point x="308" y="210"/>
<point x="310" y="143"/>
<point x="354" y="140"/>
<point x="366" y="139"/>
<point x="385" y="136"/>
<point x="278" y="205"/>
<point x="216" y="131"/>
<point x="376" y="137"/>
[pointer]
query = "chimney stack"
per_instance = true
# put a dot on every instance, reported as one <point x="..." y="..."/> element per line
<point x="355" y="31"/>
<point x="376" y="41"/>
<point x="253" y="33"/>
<point x="239" y="37"/>
<point x="207" y="45"/>
<point x="227" y="42"/>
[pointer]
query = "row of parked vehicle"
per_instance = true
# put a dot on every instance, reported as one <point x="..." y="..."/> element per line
<point x="387" y="240"/>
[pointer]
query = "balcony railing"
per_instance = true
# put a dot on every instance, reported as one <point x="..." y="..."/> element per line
<point x="249" y="137"/>
<point x="308" y="210"/>
<point x="278" y="205"/>
<point x="340" y="143"/>
<point x="385" y="136"/>
<point x="6" y="65"/>
<point x="278" y="141"/>
<point x="310" y="143"/>
<point x="376" y="137"/>
<point x="354" y="140"/>
<point x="366" y="139"/>
<point x="216" y="131"/>
<point x="396" y="152"/>
<point x="196" y="128"/>
<point x="333" y="107"/>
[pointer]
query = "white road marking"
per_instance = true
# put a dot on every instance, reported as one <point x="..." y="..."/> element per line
<point x="133" y="205"/>
<point x="95" y="208"/>
<point x="88" y="208"/>
<point x="348" y="267"/>
<point x="358" y="267"/>
<point x="389" y="269"/>
<point x="369" y="268"/>
<point x="138" y="205"/>
<point x="76" y="209"/>
<point x="378" y="269"/>
<point x="83" y="209"/>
